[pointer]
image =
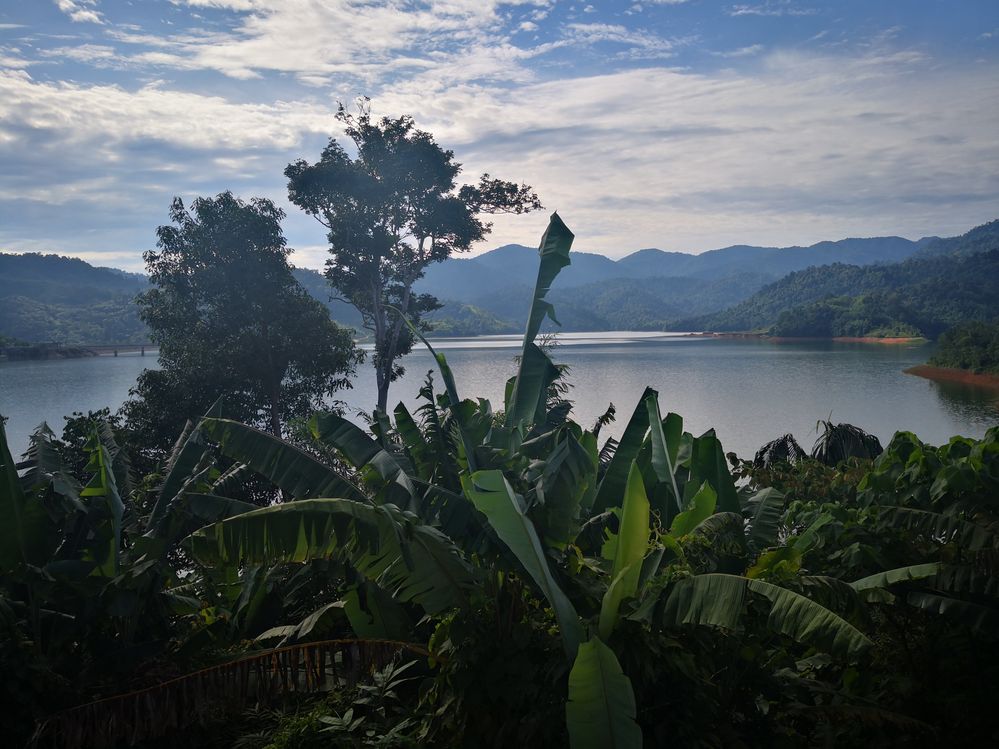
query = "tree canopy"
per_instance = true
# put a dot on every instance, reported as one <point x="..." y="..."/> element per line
<point x="231" y="320"/>
<point x="390" y="211"/>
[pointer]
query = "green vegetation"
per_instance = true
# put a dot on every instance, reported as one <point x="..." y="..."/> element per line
<point x="723" y="290"/>
<point x="65" y="301"/>
<point x="229" y="318"/>
<point x="460" y="576"/>
<point x="457" y="319"/>
<point x="973" y="346"/>
<point x="390" y="212"/>
<point x="921" y="296"/>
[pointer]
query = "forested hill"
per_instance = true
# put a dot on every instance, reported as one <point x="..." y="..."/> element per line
<point x="53" y="299"/>
<point x="63" y="300"/>
<point x="921" y="296"/>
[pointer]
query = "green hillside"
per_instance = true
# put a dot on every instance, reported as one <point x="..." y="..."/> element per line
<point x="53" y="299"/>
<point x="921" y="296"/>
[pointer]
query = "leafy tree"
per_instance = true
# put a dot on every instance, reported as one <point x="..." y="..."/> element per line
<point x="390" y="212"/>
<point x="971" y="345"/>
<point x="231" y="320"/>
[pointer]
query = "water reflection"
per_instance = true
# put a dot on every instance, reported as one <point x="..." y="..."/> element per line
<point x="978" y="405"/>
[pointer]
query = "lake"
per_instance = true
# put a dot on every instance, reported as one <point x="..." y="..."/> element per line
<point x="750" y="391"/>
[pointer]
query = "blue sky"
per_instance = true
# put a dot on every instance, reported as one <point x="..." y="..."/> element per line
<point x="680" y="124"/>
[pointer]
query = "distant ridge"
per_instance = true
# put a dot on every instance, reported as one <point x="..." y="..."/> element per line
<point x="946" y="282"/>
<point x="48" y="298"/>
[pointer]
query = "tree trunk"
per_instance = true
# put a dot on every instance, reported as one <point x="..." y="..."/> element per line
<point x="383" y="388"/>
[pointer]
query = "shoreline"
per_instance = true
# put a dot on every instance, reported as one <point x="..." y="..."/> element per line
<point x="947" y="374"/>
<point x="893" y="341"/>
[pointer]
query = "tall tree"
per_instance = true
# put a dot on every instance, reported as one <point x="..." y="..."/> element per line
<point x="391" y="211"/>
<point x="231" y="320"/>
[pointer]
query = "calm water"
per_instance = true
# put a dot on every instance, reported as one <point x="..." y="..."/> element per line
<point x="749" y="391"/>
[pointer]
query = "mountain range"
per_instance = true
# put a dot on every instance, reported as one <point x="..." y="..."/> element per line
<point x="47" y="298"/>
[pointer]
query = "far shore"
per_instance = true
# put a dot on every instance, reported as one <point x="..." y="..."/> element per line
<point x="947" y="374"/>
<point x="805" y="339"/>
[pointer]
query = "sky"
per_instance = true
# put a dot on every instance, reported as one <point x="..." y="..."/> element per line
<point x="680" y="124"/>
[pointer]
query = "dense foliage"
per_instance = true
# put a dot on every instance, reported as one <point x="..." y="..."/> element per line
<point x="468" y="577"/>
<point x="229" y="318"/>
<point x="391" y="210"/>
<point x="973" y="346"/>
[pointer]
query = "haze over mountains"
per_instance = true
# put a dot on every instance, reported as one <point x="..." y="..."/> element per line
<point x="64" y="300"/>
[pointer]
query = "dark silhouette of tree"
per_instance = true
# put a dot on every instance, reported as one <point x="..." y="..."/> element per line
<point x="231" y="320"/>
<point x="391" y="211"/>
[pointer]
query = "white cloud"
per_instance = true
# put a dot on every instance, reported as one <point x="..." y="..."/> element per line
<point x="753" y="49"/>
<point x="344" y="37"/>
<point x="810" y="147"/>
<point x="771" y="8"/>
<point x="80" y="11"/>
<point x="798" y="147"/>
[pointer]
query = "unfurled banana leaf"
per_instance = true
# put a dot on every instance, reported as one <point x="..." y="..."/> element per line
<point x="410" y="560"/>
<point x="494" y="498"/>
<point x="718" y="600"/>
<point x="419" y="451"/>
<point x="373" y="613"/>
<point x="44" y="466"/>
<point x="452" y="393"/>
<point x="322" y="624"/>
<point x="536" y="371"/>
<point x="292" y="470"/>
<point x="632" y="545"/>
<point x="187" y="454"/>
<point x="612" y="485"/>
<point x="600" y="712"/>
<point x="362" y="452"/>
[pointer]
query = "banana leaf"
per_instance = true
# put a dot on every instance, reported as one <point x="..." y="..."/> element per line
<point x="632" y="545"/>
<point x="718" y="600"/>
<point x="536" y="371"/>
<point x="612" y="485"/>
<point x="289" y="468"/>
<point x="764" y="511"/>
<point x="494" y="498"/>
<point x="24" y="532"/>
<point x="361" y="451"/>
<point x="410" y="560"/>
<point x="600" y="712"/>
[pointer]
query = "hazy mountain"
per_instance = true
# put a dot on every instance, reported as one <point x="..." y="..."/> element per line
<point x="644" y="290"/>
<point x="472" y="279"/>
